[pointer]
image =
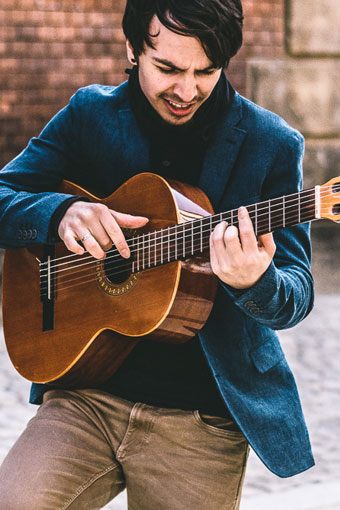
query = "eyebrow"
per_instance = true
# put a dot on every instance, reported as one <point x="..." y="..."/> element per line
<point x="170" y="64"/>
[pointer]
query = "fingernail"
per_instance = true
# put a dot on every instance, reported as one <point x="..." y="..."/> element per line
<point x="125" y="254"/>
<point x="242" y="212"/>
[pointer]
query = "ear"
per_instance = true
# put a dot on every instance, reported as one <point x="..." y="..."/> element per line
<point x="130" y="53"/>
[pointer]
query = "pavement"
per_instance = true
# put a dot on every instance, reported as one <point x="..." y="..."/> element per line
<point x="313" y="351"/>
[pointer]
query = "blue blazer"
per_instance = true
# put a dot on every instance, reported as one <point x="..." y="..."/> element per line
<point x="254" y="155"/>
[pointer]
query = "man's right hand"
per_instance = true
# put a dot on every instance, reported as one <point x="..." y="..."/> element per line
<point x="98" y="226"/>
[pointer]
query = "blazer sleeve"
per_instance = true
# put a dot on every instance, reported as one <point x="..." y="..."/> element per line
<point x="28" y="183"/>
<point x="285" y="293"/>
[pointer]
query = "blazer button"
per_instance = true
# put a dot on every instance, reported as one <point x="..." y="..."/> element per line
<point x="24" y="234"/>
<point x="252" y="307"/>
<point x="19" y="234"/>
<point x="249" y="305"/>
<point x="34" y="233"/>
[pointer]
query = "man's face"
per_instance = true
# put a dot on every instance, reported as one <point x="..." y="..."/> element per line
<point x="177" y="76"/>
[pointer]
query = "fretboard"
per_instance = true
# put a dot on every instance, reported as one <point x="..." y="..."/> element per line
<point x="192" y="237"/>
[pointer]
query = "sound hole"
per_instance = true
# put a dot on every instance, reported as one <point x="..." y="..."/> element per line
<point x="336" y="187"/>
<point x="336" y="209"/>
<point x="117" y="273"/>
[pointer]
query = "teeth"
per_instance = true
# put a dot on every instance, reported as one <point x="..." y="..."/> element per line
<point x="178" y="105"/>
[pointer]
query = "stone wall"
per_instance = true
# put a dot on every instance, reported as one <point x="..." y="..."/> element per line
<point x="303" y="85"/>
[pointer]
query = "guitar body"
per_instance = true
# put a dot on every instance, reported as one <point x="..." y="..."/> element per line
<point x="97" y="319"/>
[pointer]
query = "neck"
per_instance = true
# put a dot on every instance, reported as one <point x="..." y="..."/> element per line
<point x="192" y="237"/>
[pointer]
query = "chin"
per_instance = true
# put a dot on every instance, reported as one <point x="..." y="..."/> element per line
<point x="174" y="121"/>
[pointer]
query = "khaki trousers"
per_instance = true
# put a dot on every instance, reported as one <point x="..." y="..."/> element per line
<point x="84" y="447"/>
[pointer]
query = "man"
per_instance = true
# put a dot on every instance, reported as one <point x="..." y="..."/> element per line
<point x="173" y="424"/>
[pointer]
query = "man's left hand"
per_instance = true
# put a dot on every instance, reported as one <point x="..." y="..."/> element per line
<point x="237" y="257"/>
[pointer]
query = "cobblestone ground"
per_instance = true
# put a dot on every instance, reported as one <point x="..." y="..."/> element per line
<point x="313" y="350"/>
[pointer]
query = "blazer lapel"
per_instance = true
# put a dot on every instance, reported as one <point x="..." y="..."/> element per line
<point x="222" y="154"/>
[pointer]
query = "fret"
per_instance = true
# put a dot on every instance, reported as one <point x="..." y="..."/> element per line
<point x="201" y="235"/>
<point x="269" y="217"/>
<point x="192" y="238"/>
<point x="149" y="243"/>
<point x="183" y="230"/>
<point x="299" y="206"/>
<point x="161" y="246"/>
<point x="49" y="277"/>
<point x="143" y="255"/>
<point x="168" y="244"/>
<point x="232" y="217"/>
<point x="137" y="253"/>
<point x="155" y="250"/>
<point x="255" y="219"/>
<point x="176" y="254"/>
<point x="283" y="212"/>
<point x="133" y="249"/>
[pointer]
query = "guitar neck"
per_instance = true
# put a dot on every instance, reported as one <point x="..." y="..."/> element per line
<point x="192" y="237"/>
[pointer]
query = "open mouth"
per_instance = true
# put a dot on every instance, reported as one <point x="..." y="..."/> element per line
<point x="178" y="109"/>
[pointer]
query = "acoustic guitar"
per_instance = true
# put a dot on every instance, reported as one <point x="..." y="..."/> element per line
<point x="71" y="320"/>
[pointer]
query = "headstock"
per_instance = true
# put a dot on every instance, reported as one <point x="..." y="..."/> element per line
<point x="330" y="200"/>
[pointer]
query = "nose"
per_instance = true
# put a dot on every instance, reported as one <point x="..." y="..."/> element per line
<point x="185" y="88"/>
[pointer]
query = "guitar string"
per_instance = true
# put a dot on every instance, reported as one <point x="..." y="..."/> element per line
<point x="62" y="286"/>
<point x="289" y="198"/>
<point x="113" y="253"/>
<point x="147" y="243"/>
<point x="187" y="243"/>
<point x="185" y="238"/>
<point x="217" y="217"/>
<point x="111" y="269"/>
<point x="93" y="279"/>
<point x="189" y="237"/>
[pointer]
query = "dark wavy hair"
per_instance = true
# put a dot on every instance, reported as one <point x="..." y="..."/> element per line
<point x="216" y="23"/>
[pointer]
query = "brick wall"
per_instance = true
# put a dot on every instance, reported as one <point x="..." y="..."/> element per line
<point x="50" y="48"/>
